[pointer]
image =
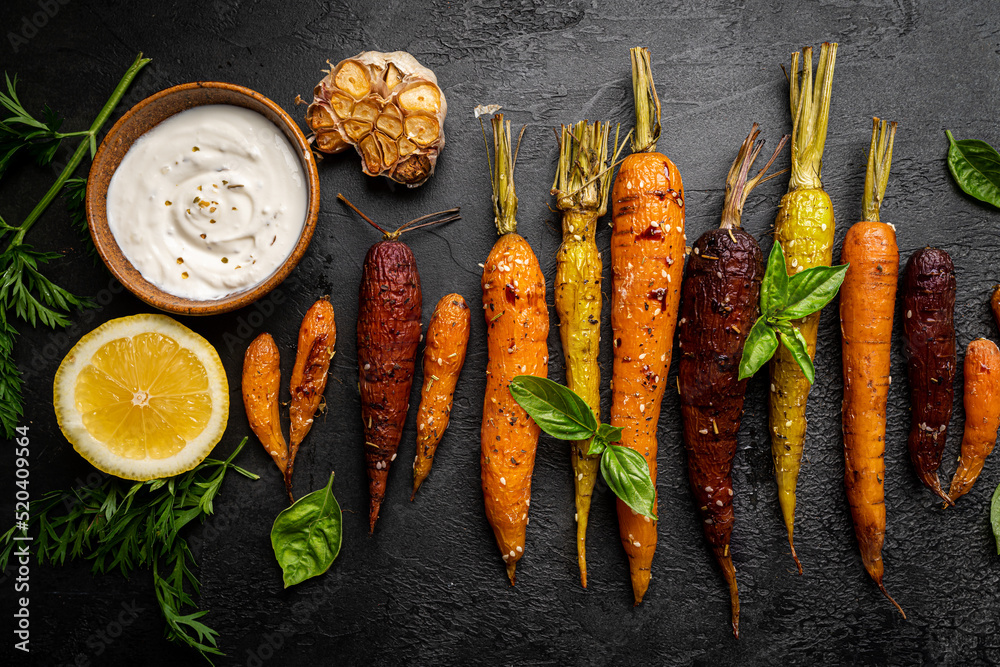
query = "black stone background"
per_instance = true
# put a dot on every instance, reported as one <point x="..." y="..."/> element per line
<point x="429" y="586"/>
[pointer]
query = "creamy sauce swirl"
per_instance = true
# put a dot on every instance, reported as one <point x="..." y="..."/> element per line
<point x="209" y="202"/>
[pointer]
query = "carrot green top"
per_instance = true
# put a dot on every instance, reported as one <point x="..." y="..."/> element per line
<point x="810" y="113"/>
<point x="738" y="182"/>
<point x="583" y="176"/>
<point x="502" y="175"/>
<point x="647" y="104"/>
<point x="879" y="159"/>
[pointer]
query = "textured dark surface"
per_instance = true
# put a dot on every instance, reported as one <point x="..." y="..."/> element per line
<point x="427" y="588"/>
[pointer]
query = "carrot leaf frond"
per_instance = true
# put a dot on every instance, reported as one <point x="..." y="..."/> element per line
<point x="810" y="105"/>
<point x="879" y="159"/>
<point x="739" y="183"/>
<point x="583" y="176"/>
<point x="647" y="104"/>
<point x="502" y="175"/>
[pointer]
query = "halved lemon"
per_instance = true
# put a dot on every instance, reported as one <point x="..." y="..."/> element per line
<point x="142" y="397"/>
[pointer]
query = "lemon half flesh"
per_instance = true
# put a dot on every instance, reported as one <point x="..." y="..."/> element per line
<point x="142" y="397"/>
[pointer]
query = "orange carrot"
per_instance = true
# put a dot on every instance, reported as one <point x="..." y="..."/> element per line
<point x="317" y="336"/>
<point x="982" y="413"/>
<point x="444" y="354"/>
<point x="517" y="326"/>
<point x="867" y="302"/>
<point x="647" y="260"/>
<point x="261" y="384"/>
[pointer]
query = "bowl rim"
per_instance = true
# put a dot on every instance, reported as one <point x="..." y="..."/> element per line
<point x="126" y="273"/>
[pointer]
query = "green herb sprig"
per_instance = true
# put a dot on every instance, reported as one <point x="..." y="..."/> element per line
<point x="975" y="166"/>
<point x="123" y="525"/>
<point x="561" y="413"/>
<point x="25" y="292"/>
<point x="21" y="131"/>
<point x="306" y="536"/>
<point x="783" y="300"/>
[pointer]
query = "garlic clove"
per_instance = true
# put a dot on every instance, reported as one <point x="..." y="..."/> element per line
<point x="421" y="129"/>
<point x="421" y="97"/>
<point x="352" y="78"/>
<point x="390" y="121"/>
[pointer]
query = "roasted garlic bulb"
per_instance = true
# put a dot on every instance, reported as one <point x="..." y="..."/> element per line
<point x="389" y="107"/>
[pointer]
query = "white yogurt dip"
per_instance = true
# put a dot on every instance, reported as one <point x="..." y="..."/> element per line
<point x="209" y="202"/>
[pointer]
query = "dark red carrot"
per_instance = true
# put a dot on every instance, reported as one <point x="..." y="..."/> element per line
<point x="389" y="309"/>
<point x="929" y="345"/>
<point x="720" y="300"/>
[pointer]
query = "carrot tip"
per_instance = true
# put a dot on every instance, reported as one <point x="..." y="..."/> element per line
<point x="795" y="556"/>
<point x="640" y="584"/>
<point x="881" y="587"/>
<point x="373" y="516"/>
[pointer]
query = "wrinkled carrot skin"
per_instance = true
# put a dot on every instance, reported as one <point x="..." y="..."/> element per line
<point x="929" y="345"/>
<point x="517" y="328"/>
<point x="982" y="413"/>
<point x="261" y="383"/>
<point x="867" y="302"/>
<point x="647" y="264"/>
<point x="444" y="355"/>
<point x="578" y="302"/>
<point x="317" y="337"/>
<point x="721" y="302"/>
<point x="388" y="336"/>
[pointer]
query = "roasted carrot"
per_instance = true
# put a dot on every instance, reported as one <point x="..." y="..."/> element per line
<point x="647" y="264"/>
<point x="389" y="304"/>
<point x="867" y="301"/>
<point x="317" y="336"/>
<point x="929" y="345"/>
<point x="581" y="189"/>
<point x="261" y="383"/>
<point x="720" y="302"/>
<point x="982" y="413"/>
<point x="804" y="228"/>
<point x="444" y="355"/>
<point x="517" y="326"/>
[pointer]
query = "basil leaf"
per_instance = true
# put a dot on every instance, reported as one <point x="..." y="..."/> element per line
<point x="557" y="410"/>
<point x="597" y="446"/>
<point x="975" y="166"/>
<point x="795" y="342"/>
<point x="759" y="347"/>
<point x="811" y="290"/>
<point x="995" y="516"/>
<point x="627" y="474"/>
<point x="609" y="433"/>
<point x="775" y="286"/>
<point x="306" y="536"/>
<point x="605" y="436"/>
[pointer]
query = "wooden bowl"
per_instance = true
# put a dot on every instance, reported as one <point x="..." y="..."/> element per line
<point x="140" y="119"/>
